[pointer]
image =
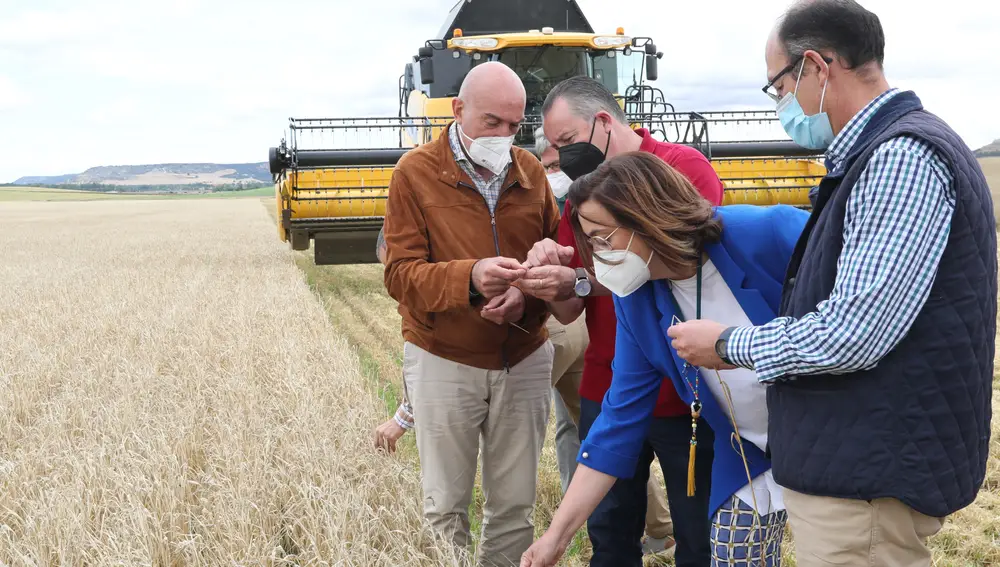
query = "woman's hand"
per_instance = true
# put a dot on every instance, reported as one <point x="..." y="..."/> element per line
<point x="543" y="553"/>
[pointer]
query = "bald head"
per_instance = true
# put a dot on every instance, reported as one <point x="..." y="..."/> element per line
<point x="490" y="102"/>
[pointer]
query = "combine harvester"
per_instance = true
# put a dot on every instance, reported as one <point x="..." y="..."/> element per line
<point x="332" y="174"/>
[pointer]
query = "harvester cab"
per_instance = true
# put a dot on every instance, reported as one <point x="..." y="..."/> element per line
<point x="332" y="174"/>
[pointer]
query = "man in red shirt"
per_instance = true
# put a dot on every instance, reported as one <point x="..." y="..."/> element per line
<point x="584" y="122"/>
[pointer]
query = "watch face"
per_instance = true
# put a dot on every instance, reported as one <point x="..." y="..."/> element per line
<point x="582" y="287"/>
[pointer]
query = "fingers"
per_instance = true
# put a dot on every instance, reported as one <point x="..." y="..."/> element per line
<point x="506" y="270"/>
<point x="552" y="255"/>
<point x="495" y="303"/>
<point x="565" y="254"/>
<point x="548" y="253"/>
<point x="674" y="331"/>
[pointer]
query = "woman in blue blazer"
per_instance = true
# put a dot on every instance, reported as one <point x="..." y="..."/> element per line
<point x="668" y="256"/>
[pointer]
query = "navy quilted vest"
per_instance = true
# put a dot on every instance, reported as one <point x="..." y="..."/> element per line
<point x="917" y="426"/>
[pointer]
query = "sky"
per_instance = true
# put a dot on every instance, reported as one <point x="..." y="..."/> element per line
<point x="108" y="82"/>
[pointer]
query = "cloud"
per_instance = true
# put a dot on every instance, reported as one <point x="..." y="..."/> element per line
<point x="12" y="96"/>
<point x="113" y="81"/>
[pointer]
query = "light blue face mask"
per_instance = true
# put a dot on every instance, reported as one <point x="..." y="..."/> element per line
<point x="812" y="132"/>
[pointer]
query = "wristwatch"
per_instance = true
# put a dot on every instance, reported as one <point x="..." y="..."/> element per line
<point x="582" y="287"/>
<point x="474" y="295"/>
<point x="722" y="344"/>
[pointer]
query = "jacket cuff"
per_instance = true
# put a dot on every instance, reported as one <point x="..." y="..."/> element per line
<point x="459" y="282"/>
<point x="607" y="462"/>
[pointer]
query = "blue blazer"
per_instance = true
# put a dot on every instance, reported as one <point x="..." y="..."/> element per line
<point x="752" y="256"/>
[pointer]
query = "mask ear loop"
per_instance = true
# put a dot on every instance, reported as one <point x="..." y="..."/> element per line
<point x="608" y="144"/>
<point x="822" y="95"/>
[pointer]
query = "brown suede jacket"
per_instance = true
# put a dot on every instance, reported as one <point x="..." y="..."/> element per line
<point x="437" y="225"/>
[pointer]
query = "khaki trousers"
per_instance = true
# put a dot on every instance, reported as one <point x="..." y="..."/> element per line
<point x="837" y="531"/>
<point x="570" y="342"/>
<point x="454" y="407"/>
<point x="658" y="522"/>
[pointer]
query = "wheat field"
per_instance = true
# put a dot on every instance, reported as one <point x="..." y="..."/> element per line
<point x="179" y="388"/>
<point x="174" y="394"/>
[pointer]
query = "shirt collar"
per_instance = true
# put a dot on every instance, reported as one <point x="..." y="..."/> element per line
<point x="648" y="143"/>
<point x="844" y="141"/>
<point x="454" y="140"/>
<point x="456" y="144"/>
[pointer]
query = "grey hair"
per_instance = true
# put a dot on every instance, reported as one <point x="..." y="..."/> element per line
<point x="541" y="142"/>
<point x="585" y="97"/>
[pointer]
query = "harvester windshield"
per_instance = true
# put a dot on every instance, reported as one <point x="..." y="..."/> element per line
<point x="543" y="67"/>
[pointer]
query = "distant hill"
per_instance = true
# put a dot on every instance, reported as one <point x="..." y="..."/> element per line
<point x="989" y="150"/>
<point x="160" y="174"/>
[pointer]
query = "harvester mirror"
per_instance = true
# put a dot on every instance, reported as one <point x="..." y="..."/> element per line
<point x="651" y="62"/>
<point x="424" y="54"/>
<point x="651" y="71"/>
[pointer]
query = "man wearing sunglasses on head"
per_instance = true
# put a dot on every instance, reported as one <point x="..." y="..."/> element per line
<point x="880" y="363"/>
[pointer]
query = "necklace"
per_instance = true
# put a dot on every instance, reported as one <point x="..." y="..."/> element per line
<point x="696" y="403"/>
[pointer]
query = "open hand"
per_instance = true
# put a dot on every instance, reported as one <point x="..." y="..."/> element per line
<point x="493" y="276"/>
<point x="695" y="341"/>
<point x="548" y="252"/>
<point x="549" y="283"/>
<point x="505" y="308"/>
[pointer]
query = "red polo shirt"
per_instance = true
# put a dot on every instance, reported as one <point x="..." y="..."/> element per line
<point x="601" y="320"/>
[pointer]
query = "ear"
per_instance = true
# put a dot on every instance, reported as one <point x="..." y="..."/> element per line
<point x="604" y="119"/>
<point x="457" y="106"/>
<point x="822" y="67"/>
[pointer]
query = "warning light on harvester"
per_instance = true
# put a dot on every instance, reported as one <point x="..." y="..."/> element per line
<point x="458" y="32"/>
<point x="620" y="31"/>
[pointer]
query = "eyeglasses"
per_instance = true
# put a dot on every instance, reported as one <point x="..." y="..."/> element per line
<point x="771" y="91"/>
<point x="602" y="244"/>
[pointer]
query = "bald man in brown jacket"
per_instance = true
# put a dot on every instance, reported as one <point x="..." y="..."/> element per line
<point x="463" y="212"/>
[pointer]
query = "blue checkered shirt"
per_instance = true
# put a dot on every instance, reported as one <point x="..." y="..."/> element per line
<point x="490" y="190"/>
<point x="896" y="227"/>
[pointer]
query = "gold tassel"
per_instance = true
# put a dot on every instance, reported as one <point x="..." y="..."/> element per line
<point x="691" y="471"/>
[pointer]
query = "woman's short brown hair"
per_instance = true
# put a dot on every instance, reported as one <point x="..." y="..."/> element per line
<point x="652" y="199"/>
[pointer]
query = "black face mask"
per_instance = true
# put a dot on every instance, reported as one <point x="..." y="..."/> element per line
<point x="580" y="158"/>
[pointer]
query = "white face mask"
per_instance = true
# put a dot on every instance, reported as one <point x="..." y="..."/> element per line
<point x="491" y="152"/>
<point x="628" y="273"/>
<point x="560" y="183"/>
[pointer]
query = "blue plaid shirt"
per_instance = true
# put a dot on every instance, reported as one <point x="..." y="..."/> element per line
<point x="895" y="230"/>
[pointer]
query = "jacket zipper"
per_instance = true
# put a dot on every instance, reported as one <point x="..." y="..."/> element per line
<point x="496" y="245"/>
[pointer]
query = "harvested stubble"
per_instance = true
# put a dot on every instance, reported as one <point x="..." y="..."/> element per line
<point x="174" y="394"/>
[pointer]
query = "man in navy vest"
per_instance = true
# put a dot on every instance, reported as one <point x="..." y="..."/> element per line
<point x="881" y="364"/>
